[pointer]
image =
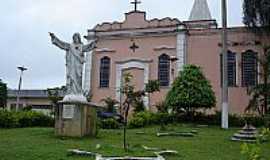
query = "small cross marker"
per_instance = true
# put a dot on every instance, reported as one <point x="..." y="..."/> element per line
<point x="134" y="47"/>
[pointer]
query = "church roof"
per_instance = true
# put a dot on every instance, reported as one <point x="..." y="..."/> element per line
<point x="200" y="11"/>
<point x="137" y="20"/>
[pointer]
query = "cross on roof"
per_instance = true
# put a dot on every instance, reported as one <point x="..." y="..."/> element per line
<point x="136" y="2"/>
<point x="133" y="47"/>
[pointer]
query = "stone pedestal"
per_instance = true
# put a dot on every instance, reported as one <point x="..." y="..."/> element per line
<point x="75" y="118"/>
<point x="247" y="134"/>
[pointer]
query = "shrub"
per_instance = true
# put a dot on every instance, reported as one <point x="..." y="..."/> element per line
<point x="8" y="119"/>
<point x="138" y="105"/>
<point x="162" y="107"/>
<point x="137" y="122"/>
<point x="109" y="123"/>
<point x="11" y="119"/>
<point x="143" y="119"/>
<point x="146" y="116"/>
<point x="215" y="119"/>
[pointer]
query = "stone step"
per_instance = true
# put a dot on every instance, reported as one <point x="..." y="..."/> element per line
<point x="244" y="136"/>
<point x="249" y="133"/>
<point x="243" y="140"/>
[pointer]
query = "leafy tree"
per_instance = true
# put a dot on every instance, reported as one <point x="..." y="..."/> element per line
<point x="260" y="93"/>
<point x="257" y="18"/>
<point x="3" y="94"/>
<point x="191" y="91"/>
<point x="110" y="104"/>
<point x="257" y="15"/>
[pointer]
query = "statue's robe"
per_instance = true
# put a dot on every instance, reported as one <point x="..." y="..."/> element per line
<point x="74" y="64"/>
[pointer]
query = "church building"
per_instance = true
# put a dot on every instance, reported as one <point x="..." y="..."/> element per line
<point x="157" y="49"/>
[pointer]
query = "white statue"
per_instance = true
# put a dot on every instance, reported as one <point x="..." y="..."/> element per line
<point x="75" y="60"/>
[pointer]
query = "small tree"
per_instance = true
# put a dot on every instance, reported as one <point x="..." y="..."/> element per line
<point x="3" y="94"/>
<point x="110" y="104"/>
<point x="191" y="91"/>
<point x="131" y="96"/>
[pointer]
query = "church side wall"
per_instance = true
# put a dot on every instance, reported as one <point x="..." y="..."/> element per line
<point x="204" y="50"/>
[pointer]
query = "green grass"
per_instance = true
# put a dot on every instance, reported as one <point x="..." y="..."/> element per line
<point x="211" y="143"/>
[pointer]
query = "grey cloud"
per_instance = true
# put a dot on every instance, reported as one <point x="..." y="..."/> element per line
<point x="25" y="25"/>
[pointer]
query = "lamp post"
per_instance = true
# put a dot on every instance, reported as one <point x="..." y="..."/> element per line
<point x="225" y="105"/>
<point x="22" y="69"/>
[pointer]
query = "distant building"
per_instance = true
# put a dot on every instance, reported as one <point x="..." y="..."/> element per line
<point x="36" y="99"/>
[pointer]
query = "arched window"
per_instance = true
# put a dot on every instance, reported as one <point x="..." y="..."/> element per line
<point x="164" y="70"/>
<point x="249" y="68"/>
<point x="231" y="64"/>
<point x="104" y="70"/>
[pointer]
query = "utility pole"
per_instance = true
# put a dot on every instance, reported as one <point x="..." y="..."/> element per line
<point x="22" y="69"/>
<point x="225" y="104"/>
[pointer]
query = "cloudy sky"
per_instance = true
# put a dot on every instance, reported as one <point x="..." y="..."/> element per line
<point x="24" y="27"/>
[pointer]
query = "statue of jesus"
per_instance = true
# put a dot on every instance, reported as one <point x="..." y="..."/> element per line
<point x="74" y="61"/>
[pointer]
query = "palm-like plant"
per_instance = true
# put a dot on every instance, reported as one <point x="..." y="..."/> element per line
<point x="110" y="104"/>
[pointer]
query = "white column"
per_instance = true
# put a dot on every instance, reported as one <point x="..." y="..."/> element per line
<point x="87" y="75"/>
<point x="181" y="48"/>
<point x="87" y="72"/>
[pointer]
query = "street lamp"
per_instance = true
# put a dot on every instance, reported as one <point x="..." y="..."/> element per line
<point x="22" y="69"/>
<point x="225" y="104"/>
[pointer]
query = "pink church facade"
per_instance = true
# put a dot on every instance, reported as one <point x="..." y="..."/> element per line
<point x="158" y="49"/>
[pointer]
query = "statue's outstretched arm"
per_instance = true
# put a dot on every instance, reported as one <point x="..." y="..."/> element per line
<point x="56" y="41"/>
<point x="89" y="47"/>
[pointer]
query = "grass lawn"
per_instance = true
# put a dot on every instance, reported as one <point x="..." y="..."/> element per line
<point x="211" y="143"/>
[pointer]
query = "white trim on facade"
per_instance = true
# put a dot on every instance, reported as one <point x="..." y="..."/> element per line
<point x="102" y="50"/>
<point x="131" y="64"/>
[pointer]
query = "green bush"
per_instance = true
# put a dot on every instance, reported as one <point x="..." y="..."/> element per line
<point x="109" y="123"/>
<point x="8" y="119"/>
<point x="215" y="119"/>
<point x="143" y="119"/>
<point x="11" y="119"/>
<point x="137" y="122"/>
<point x="267" y="120"/>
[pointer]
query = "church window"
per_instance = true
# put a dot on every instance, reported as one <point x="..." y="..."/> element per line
<point x="104" y="80"/>
<point x="231" y="64"/>
<point x="164" y="70"/>
<point x="249" y="68"/>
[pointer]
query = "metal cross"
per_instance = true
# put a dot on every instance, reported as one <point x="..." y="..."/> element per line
<point x="136" y="2"/>
<point x="133" y="47"/>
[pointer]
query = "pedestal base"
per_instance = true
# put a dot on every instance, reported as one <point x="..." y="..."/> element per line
<point x="75" y="117"/>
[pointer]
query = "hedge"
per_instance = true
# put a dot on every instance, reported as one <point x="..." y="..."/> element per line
<point x="12" y="119"/>
<point x="143" y="119"/>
